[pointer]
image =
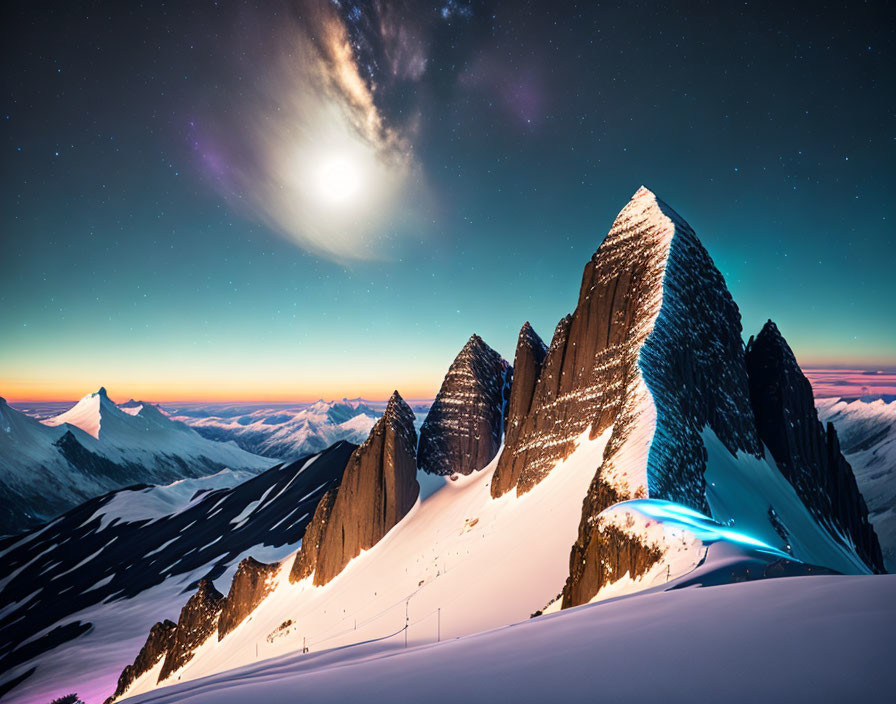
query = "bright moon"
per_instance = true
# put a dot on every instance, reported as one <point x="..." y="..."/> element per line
<point x="338" y="181"/>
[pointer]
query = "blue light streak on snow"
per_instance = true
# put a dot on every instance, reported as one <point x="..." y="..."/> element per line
<point x="703" y="527"/>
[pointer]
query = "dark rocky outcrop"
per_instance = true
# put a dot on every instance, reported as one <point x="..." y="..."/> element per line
<point x="205" y="612"/>
<point x="462" y="432"/>
<point x="250" y="585"/>
<point x="807" y="454"/>
<point x="306" y="559"/>
<point x="378" y="488"/>
<point x="160" y="639"/>
<point x="527" y="364"/>
<point x="198" y="620"/>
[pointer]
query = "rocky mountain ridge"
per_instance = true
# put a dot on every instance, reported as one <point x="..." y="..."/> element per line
<point x="806" y="452"/>
<point x="137" y="545"/>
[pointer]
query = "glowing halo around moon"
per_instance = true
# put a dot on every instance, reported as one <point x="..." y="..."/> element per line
<point x="315" y="159"/>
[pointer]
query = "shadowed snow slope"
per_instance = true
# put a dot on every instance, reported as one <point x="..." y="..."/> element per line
<point x="462" y="561"/>
<point x="778" y="640"/>
<point x="78" y="595"/>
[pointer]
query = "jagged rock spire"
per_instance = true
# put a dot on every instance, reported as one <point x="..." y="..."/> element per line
<point x="462" y="431"/>
<point x="527" y="364"/>
<point x="378" y="488"/>
<point x="159" y="640"/>
<point x="807" y="454"/>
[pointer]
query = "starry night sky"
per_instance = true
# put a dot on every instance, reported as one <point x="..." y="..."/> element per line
<point x="174" y="227"/>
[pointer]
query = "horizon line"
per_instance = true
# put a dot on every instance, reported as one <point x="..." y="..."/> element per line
<point x="873" y="376"/>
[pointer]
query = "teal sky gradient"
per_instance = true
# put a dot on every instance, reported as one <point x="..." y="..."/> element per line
<point x="124" y="265"/>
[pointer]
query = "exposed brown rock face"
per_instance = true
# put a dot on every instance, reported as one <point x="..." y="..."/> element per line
<point x="306" y="559"/>
<point x="807" y="454"/>
<point x="378" y="488"/>
<point x="527" y="364"/>
<point x="462" y="431"/>
<point x="609" y="555"/>
<point x="198" y="620"/>
<point x="160" y="638"/>
<point x="593" y="352"/>
<point x="250" y="585"/>
<point x="688" y="356"/>
<point x="654" y="344"/>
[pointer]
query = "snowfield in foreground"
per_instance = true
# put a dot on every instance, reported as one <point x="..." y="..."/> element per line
<point x="459" y="563"/>
<point x="773" y="640"/>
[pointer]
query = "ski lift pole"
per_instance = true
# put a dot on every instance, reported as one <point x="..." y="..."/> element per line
<point x="406" y="622"/>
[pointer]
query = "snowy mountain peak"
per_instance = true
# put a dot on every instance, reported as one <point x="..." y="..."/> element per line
<point x="643" y="191"/>
<point x="88" y="413"/>
<point x="635" y="444"/>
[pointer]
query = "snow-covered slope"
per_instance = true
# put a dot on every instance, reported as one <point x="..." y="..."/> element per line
<point x="460" y="561"/>
<point x="285" y="431"/>
<point x="91" y="583"/>
<point x="52" y="465"/>
<point x="804" y="639"/>
<point x="867" y="431"/>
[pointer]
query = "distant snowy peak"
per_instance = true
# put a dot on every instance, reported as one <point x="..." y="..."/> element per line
<point x="284" y="432"/>
<point x="88" y="413"/>
<point x="343" y="411"/>
<point x="52" y="465"/>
